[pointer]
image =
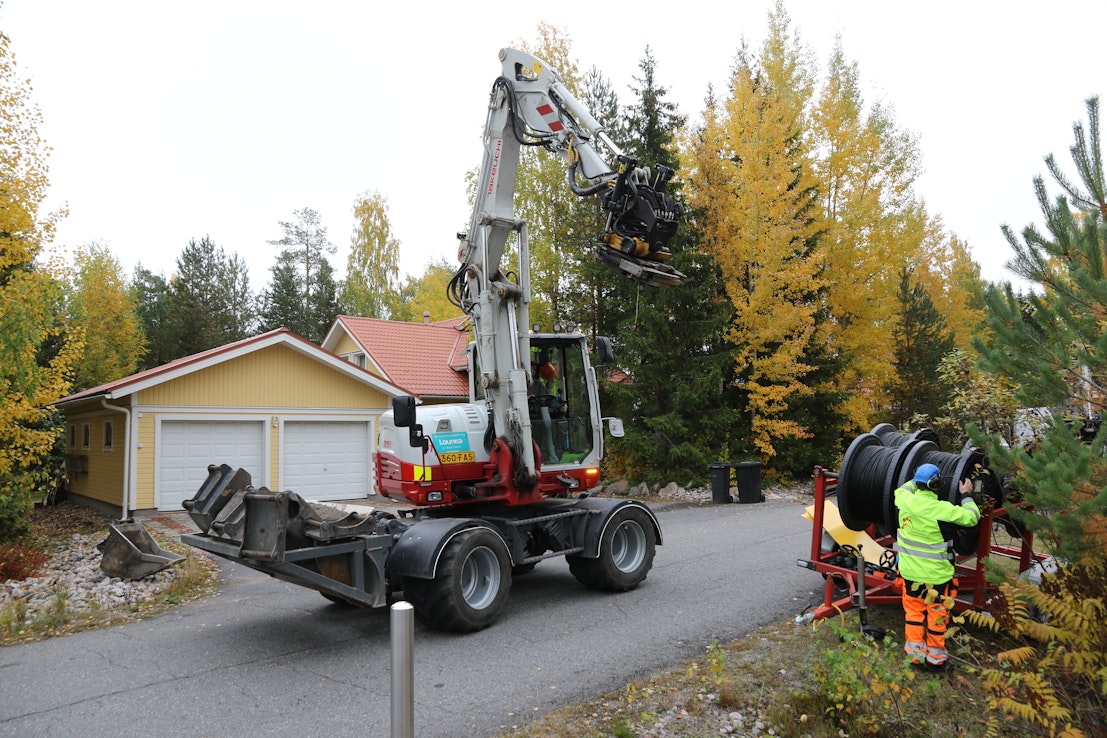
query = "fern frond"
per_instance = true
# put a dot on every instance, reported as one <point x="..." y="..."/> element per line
<point x="982" y="620"/>
<point x="1017" y="656"/>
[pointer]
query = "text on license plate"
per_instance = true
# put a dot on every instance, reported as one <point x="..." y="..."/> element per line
<point x="456" y="457"/>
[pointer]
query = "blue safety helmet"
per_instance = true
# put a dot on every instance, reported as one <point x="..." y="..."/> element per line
<point x="928" y="475"/>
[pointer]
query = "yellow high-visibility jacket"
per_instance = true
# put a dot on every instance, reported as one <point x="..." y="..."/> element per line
<point x="925" y="555"/>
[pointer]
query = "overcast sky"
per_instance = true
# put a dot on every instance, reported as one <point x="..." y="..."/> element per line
<point x="172" y="121"/>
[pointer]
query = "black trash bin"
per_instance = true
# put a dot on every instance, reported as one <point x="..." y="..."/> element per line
<point x="748" y="476"/>
<point x="720" y="482"/>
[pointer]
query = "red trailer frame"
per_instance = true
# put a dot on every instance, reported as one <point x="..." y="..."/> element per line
<point x="880" y="586"/>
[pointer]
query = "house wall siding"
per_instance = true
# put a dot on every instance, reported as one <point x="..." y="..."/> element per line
<point x="144" y="479"/>
<point x="273" y="377"/>
<point x="273" y="383"/>
<point x="103" y="478"/>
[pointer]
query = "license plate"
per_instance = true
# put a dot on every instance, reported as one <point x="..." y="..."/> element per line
<point x="457" y="457"/>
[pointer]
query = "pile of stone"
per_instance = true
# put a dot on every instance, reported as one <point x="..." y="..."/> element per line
<point x="74" y="569"/>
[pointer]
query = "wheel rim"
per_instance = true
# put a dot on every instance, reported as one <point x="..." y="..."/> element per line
<point x="628" y="546"/>
<point x="480" y="578"/>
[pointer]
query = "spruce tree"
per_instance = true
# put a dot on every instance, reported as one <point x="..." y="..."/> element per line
<point x="209" y="299"/>
<point x="921" y="340"/>
<point x="669" y="340"/>
<point x="151" y="297"/>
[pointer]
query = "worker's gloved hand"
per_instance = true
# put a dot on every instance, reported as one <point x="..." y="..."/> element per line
<point x="965" y="490"/>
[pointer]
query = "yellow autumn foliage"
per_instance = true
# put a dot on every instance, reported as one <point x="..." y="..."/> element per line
<point x="37" y="348"/>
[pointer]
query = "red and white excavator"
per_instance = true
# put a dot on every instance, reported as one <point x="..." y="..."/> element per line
<point x="501" y="482"/>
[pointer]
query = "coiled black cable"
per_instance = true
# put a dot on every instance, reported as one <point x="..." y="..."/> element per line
<point x="868" y="468"/>
<point x="889" y="435"/>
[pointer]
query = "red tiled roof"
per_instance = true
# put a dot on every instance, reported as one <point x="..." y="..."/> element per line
<point x="427" y="359"/>
<point x="187" y="364"/>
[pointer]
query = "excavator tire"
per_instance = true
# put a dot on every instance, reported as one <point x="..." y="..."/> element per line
<point x="470" y="587"/>
<point x="626" y="554"/>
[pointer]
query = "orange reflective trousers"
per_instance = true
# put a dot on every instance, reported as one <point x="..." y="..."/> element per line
<point x="926" y="615"/>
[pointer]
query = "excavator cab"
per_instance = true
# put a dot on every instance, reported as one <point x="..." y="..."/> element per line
<point x="563" y="405"/>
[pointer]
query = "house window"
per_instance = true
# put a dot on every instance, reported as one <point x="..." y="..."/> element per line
<point x="86" y="434"/>
<point x="72" y="443"/>
<point x="358" y="358"/>
<point x="109" y="435"/>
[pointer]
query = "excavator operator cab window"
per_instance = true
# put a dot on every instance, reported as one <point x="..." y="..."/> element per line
<point x="561" y="410"/>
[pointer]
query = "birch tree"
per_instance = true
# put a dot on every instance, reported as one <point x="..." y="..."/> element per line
<point x="38" y="349"/>
<point x="104" y="305"/>
<point x="372" y="268"/>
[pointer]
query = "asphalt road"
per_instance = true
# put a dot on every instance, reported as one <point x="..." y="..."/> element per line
<point x="268" y="658"/>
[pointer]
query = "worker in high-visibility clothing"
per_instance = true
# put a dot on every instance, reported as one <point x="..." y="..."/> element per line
<point x="926" y="561"/>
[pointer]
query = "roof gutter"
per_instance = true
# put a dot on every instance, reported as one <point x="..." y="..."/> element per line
<point x="127" y="456"/>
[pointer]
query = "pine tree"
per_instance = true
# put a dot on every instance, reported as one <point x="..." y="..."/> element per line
<point x="306" y="243"/>
<point x="303" y="293"/>
<point x="1053" y="346"/>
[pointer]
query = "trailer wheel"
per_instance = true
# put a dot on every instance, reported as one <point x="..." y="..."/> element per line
<point x="470" y="586"/>
<point x="626" y="554"/>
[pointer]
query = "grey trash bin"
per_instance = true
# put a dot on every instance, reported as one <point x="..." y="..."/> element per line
<point x="748" y="476"/>
<point x="720" y="482"/>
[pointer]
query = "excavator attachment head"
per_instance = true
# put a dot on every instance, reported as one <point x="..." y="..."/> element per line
<point x="645" y="271"/>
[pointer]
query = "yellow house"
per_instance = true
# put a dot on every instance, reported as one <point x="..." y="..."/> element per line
<point x="295" y="416"/>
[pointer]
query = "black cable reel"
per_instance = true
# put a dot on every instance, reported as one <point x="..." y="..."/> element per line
<point x="872" y="471"/>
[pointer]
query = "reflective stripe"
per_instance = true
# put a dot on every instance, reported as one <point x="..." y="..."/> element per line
<point x="937" y="655"/>
<point x="969" y="505"/>
<point x="924" y="555"/>
<point x="929" y="546"/>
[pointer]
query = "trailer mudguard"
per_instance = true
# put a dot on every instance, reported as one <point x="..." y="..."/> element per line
<point x="590" y="528"/>
<point x="417" y="552"/>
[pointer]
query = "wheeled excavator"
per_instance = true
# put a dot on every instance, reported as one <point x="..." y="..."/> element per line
<point x="500" y="483"/>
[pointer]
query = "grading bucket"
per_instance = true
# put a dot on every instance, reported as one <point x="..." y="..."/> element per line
<point x="130" y="553"/>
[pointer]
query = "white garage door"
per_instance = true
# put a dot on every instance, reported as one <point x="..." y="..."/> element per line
<point x="186" y="447"/>
<point x="326" y="460"/>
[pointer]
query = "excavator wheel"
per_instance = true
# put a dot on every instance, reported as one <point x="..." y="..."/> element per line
<point x="645" y="271"/>
<point x="470" y="587"/>
<point x="626" y="554"/>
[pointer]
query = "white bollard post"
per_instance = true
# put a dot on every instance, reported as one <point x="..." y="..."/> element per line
<point x="402" y="626"/>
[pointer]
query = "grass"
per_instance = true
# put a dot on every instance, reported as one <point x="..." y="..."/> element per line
<point x="192" y="577"/>
<point x="819" y="680"/>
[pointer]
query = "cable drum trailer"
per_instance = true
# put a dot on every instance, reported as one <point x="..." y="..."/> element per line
<point x="854" y="512"/>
